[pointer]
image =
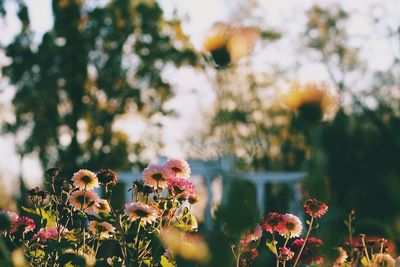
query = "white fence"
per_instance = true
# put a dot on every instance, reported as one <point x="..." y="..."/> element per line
<point x="210" y="170"/>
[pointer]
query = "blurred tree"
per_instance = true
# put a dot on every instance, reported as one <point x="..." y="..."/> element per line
<point x="96" y="64"/>
<point x="249" y="123"/>
<point x="245" y="120"/>
<point x="362" y="143"/>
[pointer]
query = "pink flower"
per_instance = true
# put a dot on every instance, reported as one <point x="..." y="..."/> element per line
<point x="285" y="254"/>
<point x="102" y="229"/>
<point x="83" y="200"/>
<point x="311" y="253"/>
<point x="142" y="212"/>
<point x="290" y="226"/>
<point x="253" y="235"/>
<point x="22" y="223"/>
<point x="315" y="208"/>
<point x="180" y="186"/>
<point x="45" y="234"/>
<point x="156" y="175"/>
<point x="179" y="168"/>
<point x="272" y="222"/>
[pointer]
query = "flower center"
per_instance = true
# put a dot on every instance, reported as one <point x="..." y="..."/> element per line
<point x="86" y="179"/>
<point x="314" y="207"/>
<point x="273" y="222"/>
<point x="290" y="226"/>
<point x="176" y="169"/>
<point x="141" y="213"/>
<point x="178" y="189"/>
<point x="82" y="199"/>
<point x="101" y="228"/>
<point x="158" y="177"/>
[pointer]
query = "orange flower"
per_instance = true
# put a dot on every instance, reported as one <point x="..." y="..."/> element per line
<point x="83" y="200"/>
<point x="104" y="229"/>
<point x="228" y="44"/>
<point x="140" y="211"/>
<point x="311" y="101"/>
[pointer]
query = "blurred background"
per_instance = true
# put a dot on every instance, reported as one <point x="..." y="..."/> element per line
<point x="118" y="83"/>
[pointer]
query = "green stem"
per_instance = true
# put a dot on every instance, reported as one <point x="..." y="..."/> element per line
<point x="365" y="250"/>
<point x="304" y="243"/>
<point x="137" y="240"/>
<point x="276" y="249"/>
<point x="4" y="249"/>
<point x="83" y="225"/>
<point x="286" y="241"/>
<point x="238" y="259"/>
<point x="123" y="236"/>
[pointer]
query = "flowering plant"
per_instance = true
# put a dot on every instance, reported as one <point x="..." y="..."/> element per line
<point x="284" y="240"/>
<point x="288" y="227"/>
<point x="72" y="225"/>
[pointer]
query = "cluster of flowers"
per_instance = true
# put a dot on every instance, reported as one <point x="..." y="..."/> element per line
<point x="285" y="227"/>
<point x="71" y="223"/>
<point x="365" y="251"/>
<point x="281" y="228"/>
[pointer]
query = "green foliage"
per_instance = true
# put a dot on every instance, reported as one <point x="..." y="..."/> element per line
<point x="361" y="156"/>
<point x="68" y="226"/>
<point x="239" y="213"/>
<point x="94" y="66"/>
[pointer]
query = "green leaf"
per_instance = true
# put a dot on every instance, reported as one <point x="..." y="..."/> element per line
<point x="364" y="261"/>
<point x="29" y="210"/>
<point x="37" y="253"/>
<point x="271" y="246"/>
<point x="48" y="216"/>
<point x="185" y="211"/>
<point x="166" y="263"/>
<point x="182" y="226"/>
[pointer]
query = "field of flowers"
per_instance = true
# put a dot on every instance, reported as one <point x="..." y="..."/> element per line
<point x="70" y="225"/>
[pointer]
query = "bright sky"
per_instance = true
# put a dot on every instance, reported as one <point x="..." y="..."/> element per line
<point x="193" y="92"/>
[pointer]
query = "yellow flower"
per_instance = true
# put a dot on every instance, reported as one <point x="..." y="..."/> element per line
<point x="242" y="42"/>
<point x="227" y="44"/>
<point x="85" y="179"/>
<point x="311" y="101"/>
<point x="104" y="229"/>
<point x="188" y="246"/>
<point x="218" y="37"/>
